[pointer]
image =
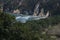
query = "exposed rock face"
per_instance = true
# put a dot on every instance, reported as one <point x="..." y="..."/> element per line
<point x="13" y="4"/>
<point x="16" y="11"/>
<point x="53" y="6"/>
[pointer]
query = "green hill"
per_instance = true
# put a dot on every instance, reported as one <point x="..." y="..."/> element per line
<point x="10" y="29"/>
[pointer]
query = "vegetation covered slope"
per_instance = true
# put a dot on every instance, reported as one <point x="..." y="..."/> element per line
<point x="10" y="29"/>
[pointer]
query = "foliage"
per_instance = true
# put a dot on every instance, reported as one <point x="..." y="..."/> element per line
<point x="32" y="30"/>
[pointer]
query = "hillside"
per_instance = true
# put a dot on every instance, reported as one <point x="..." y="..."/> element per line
<point x="29" y="5"/>
<point x="43" y="29"/>
<point x="55" y="31"/>
<point x="10" y="29"/>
